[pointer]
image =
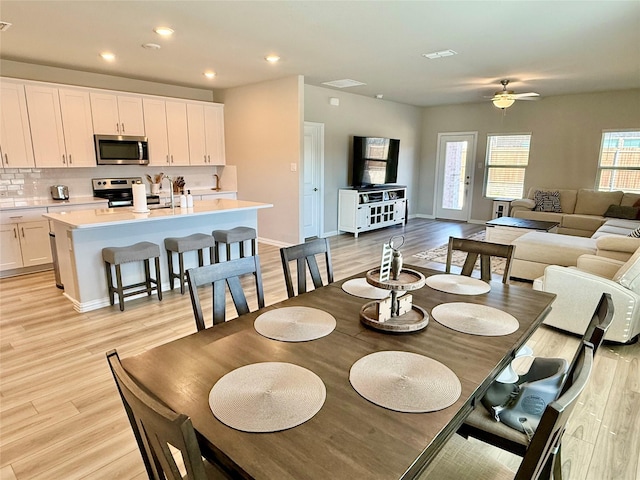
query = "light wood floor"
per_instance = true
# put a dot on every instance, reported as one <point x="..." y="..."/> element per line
<point x="61" y="417"/>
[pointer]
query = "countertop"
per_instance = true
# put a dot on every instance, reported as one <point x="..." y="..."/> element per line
<point x="13" y="204"/>
<point x="101" y="217"/>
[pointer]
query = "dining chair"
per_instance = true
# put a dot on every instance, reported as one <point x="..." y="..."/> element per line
<point x="462" y="459"/>
<point x="218" y="276"/>
<point x="484" y="250"/>
<point x="305" y="255"/>
<point x="482" y="425"/>
<point x="156" y="427"/>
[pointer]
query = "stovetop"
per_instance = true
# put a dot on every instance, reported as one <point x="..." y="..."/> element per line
<point x="119" y="191"/>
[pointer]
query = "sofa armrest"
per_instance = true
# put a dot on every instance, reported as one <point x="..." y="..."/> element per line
<point x="522" y="204"/>
<point x="618" y="247"/>
<point x="601" y="266"/>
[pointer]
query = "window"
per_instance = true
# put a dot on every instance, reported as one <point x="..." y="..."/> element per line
<point x="507" y="160"/>
<point x="619" y="164"/>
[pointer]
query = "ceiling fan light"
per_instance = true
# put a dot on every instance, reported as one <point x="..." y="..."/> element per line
<point x="503" y="101"/>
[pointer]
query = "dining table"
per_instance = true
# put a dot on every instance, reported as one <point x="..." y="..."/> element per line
<point x="349" y="437"/>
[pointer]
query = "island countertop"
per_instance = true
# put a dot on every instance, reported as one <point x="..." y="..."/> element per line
<point x="102" y="217"/>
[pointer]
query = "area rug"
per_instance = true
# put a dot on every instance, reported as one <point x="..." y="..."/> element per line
<point x="439" y="255"/>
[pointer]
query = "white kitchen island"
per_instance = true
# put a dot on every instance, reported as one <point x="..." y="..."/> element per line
<point x="81" y="236"/>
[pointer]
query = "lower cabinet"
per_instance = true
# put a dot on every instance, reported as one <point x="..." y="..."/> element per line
<point x="24" y="241"/>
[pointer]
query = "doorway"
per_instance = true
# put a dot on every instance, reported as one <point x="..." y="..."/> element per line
<point x="454" y="175"/>
<point x="313" y="179"/>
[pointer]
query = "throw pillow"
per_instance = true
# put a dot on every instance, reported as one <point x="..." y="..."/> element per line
<point x="637" y="204"/>
<point x="547" y="201"/>
<point x="635" y="233"/>
<point x="618" y="211"/>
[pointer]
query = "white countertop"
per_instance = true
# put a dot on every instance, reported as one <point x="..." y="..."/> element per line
<point x="117" y="216"/>
<point x="12" y="204"/>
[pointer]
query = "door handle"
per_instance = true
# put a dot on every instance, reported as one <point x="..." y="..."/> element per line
<point x="315" y="189"/>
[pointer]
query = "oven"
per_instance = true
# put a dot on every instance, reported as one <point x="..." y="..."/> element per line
<point x="119" y="191"/>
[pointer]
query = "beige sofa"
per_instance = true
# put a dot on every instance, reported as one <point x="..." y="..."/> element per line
<point x="582" y="210"/>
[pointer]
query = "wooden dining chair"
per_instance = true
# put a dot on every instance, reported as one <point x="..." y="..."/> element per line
<point x="220" y="275"/>
<point x="156" y="427"/>
<point x="484" y="250"/>
<point x="462" y="459"/>
<point x="482" y="425"/>
<point x="305" y="255"/>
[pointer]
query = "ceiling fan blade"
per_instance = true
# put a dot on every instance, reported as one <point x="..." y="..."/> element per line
<point x="524" y="95"/>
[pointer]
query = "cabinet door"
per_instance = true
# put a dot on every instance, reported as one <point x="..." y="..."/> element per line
<point x="77" y="125"/>
<point x="10" y="256"/>
<point x="46" y="126"/>
<point x="155" y="124"/>
<point x="197" y="135"/>
<point x="34" y="242"/>
<point x="214" y="134"/>
<point x="131" y="116"/>
<point x="178" y="133"/>
<point x="15" y="133"/>
<point x="104" y="112"/>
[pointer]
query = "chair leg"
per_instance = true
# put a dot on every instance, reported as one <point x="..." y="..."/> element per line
<point x="212" y="255"/>
<point x="253" y="247"/>
<point x="228" y="251"/>
<point x="241" y="249"/>
<point x="147" y="276"/>
<point x="107" y="267"/>
<point x="217" y="252"/>
<point x="181" y="266"/>
<point x="170" y="264"/>
<point x="119" y="288"/>
<point x="158" y="279"/>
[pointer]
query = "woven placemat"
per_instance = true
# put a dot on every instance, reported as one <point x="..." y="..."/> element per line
<point x="405" y="382"/>
<point x="359" y="287"/>
<point x="458" y="284"/>
<point x="267" y="397"/>
<point x="475" y="319"/>
<point x="295" y="324"/>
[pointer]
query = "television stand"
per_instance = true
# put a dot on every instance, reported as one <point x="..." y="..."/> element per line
<point x="370" y="208"/>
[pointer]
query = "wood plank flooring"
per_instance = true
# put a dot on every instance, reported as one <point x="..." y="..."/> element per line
<point x="61" y="417"/>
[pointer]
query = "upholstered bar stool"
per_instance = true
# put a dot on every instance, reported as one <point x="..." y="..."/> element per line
<point x="143" y="251"/>
<point x="235" y="235"/>
<point x="179" y="245"/>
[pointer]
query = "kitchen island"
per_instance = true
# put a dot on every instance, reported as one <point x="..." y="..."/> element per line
<point x="81" y="236"/>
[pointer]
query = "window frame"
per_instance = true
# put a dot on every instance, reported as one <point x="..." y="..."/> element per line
<point x="600" y="168"/>
<point x="488" y="167"/>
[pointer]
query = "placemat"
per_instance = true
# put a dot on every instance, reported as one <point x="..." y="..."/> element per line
<point x="267" y="397"/>
<point x="295" y="324"/>
<point x="459" y="284"/>
<point x="475" y="319"/>
<point x="359" y="287"/>
<point x="405" y="382"/>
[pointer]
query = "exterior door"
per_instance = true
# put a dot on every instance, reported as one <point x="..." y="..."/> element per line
<point x="454" y="177"/>
<point x="312" y="178"/>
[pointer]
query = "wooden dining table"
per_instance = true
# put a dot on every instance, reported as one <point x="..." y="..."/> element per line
<point x="350" y="437"/>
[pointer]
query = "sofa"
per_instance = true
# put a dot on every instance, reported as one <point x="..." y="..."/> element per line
<point x="580" y="212"/>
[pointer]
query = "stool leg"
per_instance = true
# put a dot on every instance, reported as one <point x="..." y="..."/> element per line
<point x="212" y="255"/>
<point x="228" y="251"/>
<point x="119" y="288"/>
<point x="200" y="258"/>
<point x="107" y="267"/>
<point x="170" y="263"/>
<point x="242" y="249"/>
<point x="217" y="252"/>
<point x="158" y="279"/>
<point x="181" y="264"/>
<point x="147" y="276"/>
<point x="253" y="247"/>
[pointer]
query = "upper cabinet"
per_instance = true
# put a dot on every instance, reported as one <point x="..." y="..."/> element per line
<point x="166" y="129"/>
<point x="206" y="134"/>
<point x="15" y="133"/>
<point x="117" y="114"/>
<point x="61" y="129"/>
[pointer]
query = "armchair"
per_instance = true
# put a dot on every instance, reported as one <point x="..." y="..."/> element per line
<point x="579" y="288"/>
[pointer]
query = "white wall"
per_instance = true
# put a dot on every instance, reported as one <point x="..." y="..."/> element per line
<point x="362" y="116"/>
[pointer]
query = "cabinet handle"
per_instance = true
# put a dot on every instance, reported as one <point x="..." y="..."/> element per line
<point x="167" y="158"/>
<point x="15" y="232"/>
<point x="205" y="158"/>
<point x="22" y="228"/>
<point x="171" y="158"/>
<point x="209" y="158"/>
<point x="118" y="127"/>
<point x="70" y="161"/>
<point x="6" y="159"/>
<point x="64" y="160"/>
<point x="123" y="128"/>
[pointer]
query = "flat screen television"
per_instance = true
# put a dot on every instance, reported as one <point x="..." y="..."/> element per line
<point x="375" y="161"/>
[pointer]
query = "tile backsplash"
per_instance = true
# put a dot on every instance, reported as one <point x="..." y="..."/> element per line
<point x="34" y="183"/>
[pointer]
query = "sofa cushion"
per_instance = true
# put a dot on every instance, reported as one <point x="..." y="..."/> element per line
<point x="552" y="248"/>
<point x="590" y="223"/>
<point x="619" y="211"/>
<point x="524" y="203"/>
<point x="630" y="200"/>
<point x="590" y="202"/>
<point x="547" y="201"/>
<point x="541" y="216"/>
<point x="629" y="274"/>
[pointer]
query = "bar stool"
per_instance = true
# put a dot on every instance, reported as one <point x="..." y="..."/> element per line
<point x="179" y="245"/>
<point x="235" y="235"/>
<point x="142" y="251"/>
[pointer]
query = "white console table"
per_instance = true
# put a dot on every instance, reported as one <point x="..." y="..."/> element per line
<point x="361" y="210"/>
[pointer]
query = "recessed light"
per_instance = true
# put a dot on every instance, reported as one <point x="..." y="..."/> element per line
<point x="272" y="58"/>
<point x="209" y="74"/>
<point x="108" y="56"/>
<point x="379" y="96"/>
<point x="151" y="46"/>
<point x="164" y="31"/>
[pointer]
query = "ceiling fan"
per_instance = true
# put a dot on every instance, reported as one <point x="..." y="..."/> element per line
<point x="505" y="98"/>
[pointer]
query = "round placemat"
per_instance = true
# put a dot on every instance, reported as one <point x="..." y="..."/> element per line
<point x="267" y="397"/>
<point x="405" y="382"/>
<point x="295" y="324"/>
<point x="359" y="287"/>
<point x="458" y="284"/>
<point x="475" y="319"/>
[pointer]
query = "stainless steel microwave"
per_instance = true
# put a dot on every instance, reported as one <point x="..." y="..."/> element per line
<point x="121" y="150"/>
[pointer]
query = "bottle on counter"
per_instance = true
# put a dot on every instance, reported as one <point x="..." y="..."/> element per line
<point x="183" y="201"/>
<point x="189" y="199"/>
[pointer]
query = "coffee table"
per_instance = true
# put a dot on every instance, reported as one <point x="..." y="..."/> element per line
<point x="507" y="229"/>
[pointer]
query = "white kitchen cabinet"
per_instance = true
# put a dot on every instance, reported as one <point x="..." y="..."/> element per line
<point x="61" y="128"/>
<point x="15" y="134"/>
<point x="166" y="130"/>
<point x="117" y="114"/>
<point x="10" y="252"/>
<point x="25" y="239"/>
<point x="206" y="134"/>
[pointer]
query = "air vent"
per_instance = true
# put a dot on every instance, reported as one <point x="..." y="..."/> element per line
<point x="4" y="26"/>
<point x="344" y="83"/>
<point x="440" y="54"/>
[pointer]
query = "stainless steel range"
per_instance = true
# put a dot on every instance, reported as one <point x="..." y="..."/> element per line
<point x="119" y="191"/>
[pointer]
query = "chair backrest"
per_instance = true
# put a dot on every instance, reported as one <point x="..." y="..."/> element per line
<point x="543" y="455"/>
<point x="155" y="427"/>
<point x="305" y="255"/>
<point x="485" y="250"/>
<point x="218" y="276"/>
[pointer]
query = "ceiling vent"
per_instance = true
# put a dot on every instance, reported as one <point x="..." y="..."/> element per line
<point x="344" y="83"/>
<point x="4" y="26"/>
<point x="440" y="54"/>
